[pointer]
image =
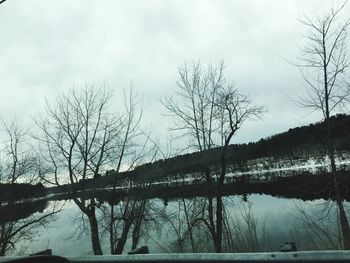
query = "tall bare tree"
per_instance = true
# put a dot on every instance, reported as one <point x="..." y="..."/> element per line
<point x="234" y="109"/>
<point x="210" y="111"/>
<point x="324" y="64"/>
<point x="122" y="218"/>
<point x="81" y="136"/>
<point x="193" y="109"/>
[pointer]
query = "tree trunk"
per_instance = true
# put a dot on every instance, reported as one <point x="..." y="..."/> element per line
<point x="111" y="229"/>
<point x="211" y="224"/>
<point x="218" y="223"/>
<point x="189" y="225"/>
<point x="219" y="205"/>
<point x="95" y="239"/>
<point x="3" y="247"/>
<point x="136" y="233"/>
<point x="122" y="240"/>
<point x="135" y="236"/>
<point x="344" y="223"/>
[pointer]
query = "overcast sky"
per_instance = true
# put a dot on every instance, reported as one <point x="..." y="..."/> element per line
<point x="50" y="46"/>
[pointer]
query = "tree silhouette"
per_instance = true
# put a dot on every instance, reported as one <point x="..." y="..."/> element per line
<point x="323" y="65"/>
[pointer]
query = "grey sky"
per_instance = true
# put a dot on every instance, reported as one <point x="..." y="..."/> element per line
<point x="50" y="46"/>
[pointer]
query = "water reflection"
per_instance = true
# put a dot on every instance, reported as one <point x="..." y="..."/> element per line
<point x="14" y="211"/>
<point x="301" y="184"/>
<point x="22" y="222"/>
<point x="175" y="217"/>
<point x="262" y="223"/>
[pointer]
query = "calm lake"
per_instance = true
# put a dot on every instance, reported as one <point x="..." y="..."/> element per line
<point x="273" y="221"/>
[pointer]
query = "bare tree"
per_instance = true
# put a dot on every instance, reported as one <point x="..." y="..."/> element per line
<point x="193" y="109"/>
<point x="210" y="112"/>
<point x="323" y="65"/>
<point x="235" y="109"/>
<point x="81" y="137"/>
<point x="19" y="159"/>
<point x="18" y="164"/>
<point x="135" y="147"/>
<point x="194" y="104"/>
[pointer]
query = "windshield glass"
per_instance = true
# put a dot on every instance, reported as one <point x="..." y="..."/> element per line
<point x="174" y="126"/>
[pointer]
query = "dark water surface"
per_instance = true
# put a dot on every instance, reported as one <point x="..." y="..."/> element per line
<point x="275" y="218"/>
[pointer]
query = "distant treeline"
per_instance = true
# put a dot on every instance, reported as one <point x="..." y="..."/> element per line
<point x="304" y="185"/>
<point x="306" y="140"/>
<point x="9" y="192"/>
<point x="295" y="143"/>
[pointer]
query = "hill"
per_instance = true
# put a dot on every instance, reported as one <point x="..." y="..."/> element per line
<point x="299" y="142"/>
